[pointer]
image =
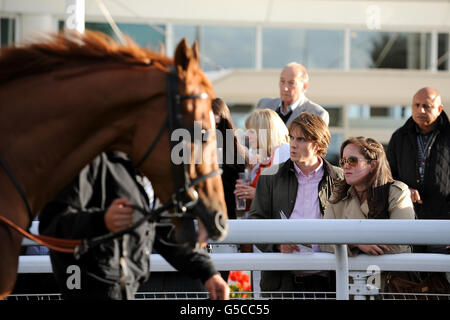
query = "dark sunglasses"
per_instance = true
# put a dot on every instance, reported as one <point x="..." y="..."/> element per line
<point x="352" y="161"/>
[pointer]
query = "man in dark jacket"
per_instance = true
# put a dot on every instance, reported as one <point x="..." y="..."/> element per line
<point x="419" y="155"/>
<point x="96" y="203"/>
<point x="298" y="189"/>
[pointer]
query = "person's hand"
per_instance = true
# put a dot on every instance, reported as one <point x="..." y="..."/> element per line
<point x="217" y="287"/>
<point x="415" y="196"/>
<point x="289" y="248"/>
<point x="119" y="215"/>
<point x="373" y="249"/>
<point x="243" y="191"/>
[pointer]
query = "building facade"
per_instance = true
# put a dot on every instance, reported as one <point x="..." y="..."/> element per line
<point x="366" y="58"/>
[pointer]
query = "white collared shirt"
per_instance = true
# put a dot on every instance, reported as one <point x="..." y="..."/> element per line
<point x="292" y="106"/>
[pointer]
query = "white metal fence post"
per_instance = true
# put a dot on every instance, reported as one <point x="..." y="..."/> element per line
<point x="341" y="272"/>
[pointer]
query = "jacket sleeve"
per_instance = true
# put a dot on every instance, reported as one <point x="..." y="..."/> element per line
<point x="400" y="207"/>
<point x="326" y="117"/>
<point x="184" y="258"/>
<point x="390" y="154"/>
<point x="261" y="208"/>
<point x="63" y="217"/>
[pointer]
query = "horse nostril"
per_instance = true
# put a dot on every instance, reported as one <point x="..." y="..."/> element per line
<point x="221" y="223"/>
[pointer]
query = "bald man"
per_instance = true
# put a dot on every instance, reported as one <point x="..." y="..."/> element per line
<point x="294" y="81"/>
<point x="419" y="155"/>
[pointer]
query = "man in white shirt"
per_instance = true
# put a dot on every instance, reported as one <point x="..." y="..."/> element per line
<point x="294" y="81"/>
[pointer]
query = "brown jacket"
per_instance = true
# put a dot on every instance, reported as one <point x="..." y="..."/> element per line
<point x="400" y="207"/>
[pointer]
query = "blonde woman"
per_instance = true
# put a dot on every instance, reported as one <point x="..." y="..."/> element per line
<point x="269" y="145"/>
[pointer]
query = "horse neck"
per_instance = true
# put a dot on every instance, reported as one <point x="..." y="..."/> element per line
<point x="72" y="121"/>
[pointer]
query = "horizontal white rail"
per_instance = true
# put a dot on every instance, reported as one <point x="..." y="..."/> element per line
<point x="280" y="261"/>
<point x="333" y="231"/>
<point x="339" y="232"/>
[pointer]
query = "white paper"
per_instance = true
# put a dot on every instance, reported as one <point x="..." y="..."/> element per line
<point x="303" y="249"/>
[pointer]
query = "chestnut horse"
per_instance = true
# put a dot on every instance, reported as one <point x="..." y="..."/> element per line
<point x="67" y="99"/>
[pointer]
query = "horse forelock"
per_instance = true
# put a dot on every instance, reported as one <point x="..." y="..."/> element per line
<point x="61" y="51"/>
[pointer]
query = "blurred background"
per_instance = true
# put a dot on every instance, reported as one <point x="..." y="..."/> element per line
<point x="366" y="59"/>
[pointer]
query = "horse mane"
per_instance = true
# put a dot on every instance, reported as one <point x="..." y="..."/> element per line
<point x="61" y="51"/>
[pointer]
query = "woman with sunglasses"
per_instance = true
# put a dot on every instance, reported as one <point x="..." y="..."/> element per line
<point x="368" y="192"/>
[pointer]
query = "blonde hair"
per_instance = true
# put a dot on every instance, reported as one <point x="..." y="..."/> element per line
<point x="270" y="129"/>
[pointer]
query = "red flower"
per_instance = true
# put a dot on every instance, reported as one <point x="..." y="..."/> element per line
<point x="247" y="287"/>
<point x="241" y="284"/>
<point x="244" y="277"/>
<point x="235" y="275"/>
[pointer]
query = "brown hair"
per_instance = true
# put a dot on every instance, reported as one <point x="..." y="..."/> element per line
<point x="379" y="180"/>
<point x="314" y="129"/>
<point x="221" y="109"/>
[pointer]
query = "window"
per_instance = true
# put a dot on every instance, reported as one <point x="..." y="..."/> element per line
<point x="335" y="113"/>
<point x="7" y="31"/>
<point x="443" y="51"/>
<point x="396" y="50"/>
<point x="145" y="35"/>
<point x="320" y="49"/>
<point x="377" y="117"/>
<point x="334" y="148"/>
<point x="239" y="113"/>
<point x="149" y="36"/>
<point x="227" y="47"/>
<point x="189" y="32"/>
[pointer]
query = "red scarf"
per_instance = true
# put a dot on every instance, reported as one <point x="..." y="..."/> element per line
<point x="255" y="180"/>
<point x="258" y="171"/>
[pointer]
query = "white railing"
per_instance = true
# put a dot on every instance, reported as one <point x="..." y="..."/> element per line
<point x="338" y="232"/>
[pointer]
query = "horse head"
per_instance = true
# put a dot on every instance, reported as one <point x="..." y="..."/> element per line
<point x="196" y="188"/>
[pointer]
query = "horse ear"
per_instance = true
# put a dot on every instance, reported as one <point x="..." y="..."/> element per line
<point x="186" y="60"/>
<point x="196" y="51"/>
<point x="182" y="55"/>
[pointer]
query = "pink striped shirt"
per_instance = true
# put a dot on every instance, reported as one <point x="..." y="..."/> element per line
<point x="307" y="205"/>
